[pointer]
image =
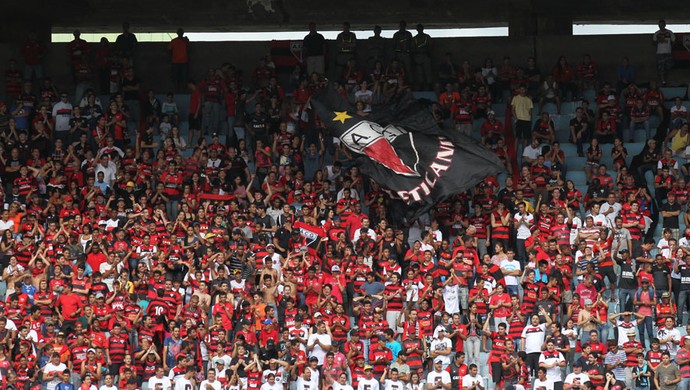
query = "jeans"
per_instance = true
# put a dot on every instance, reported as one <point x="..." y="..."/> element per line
<point x="520" y="251"/>
<point x="512" y="289"/>
<point x="645" y="125"/>
<point x="481" y="247"/>
<point x="231" y="136"/>
<point x="645" y="326"/>
<point x="683" y="297"/>
<point x="210" y="119"/>
<point x="684" y="384"/>
<point x="366" y="343"/>
<point x="472" y="347"/>
<point x="623" y="296"/>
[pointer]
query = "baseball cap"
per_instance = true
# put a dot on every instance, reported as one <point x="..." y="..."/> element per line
<point x="130" y="184"/>
<point x="335" y="268"/>
<point x="438" y="359"/>
<point x="268" y="321"/>
<point x="367" y="367"/>
<point x="666" y="295"/>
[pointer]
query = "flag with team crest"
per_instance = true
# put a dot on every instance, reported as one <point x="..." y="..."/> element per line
<point x="401" y="147"/>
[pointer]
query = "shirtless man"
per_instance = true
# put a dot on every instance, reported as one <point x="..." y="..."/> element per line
<point x="269" y="289"/>
<point x="202" y="293"/>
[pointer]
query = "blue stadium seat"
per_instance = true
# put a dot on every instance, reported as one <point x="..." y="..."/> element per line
<point x="640" y="136"/>
<point x="578" y="178"/>
<point x="590" y="95"/>
<point x="499" y="109"/>
<point x="429" y="95"/>
<point x="634" y="149"/>
<point x="182" y="101"/>
<point x="550" y="108"/>
<point x="184" y="127"/>
<point x="575" y="163"/>
<point x="477" y="127"/>
<point x="569" y="149"/>
<point x="671" y="93"/>
<point x="568" y="108"/>
<point x="583" y="190"/>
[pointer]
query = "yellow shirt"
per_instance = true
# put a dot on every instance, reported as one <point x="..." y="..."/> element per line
<point x="522" y="106"/>
<point x="679" y="141"/>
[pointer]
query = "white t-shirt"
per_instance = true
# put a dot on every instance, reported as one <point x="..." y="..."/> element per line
<point x="104" y="387"/>
<point x="442" y="377"/>
<point x="553" y="373"/>
<point x="523" y="231"/>
<point x="599" y="220"/>
<point x="623" y="328"/>
<point x="440" y="345"/>
<point x="62" y="112"/>
<point x="510" y="266"/>
<point x="393" y="385"/>
<point x="574" y="378"/>
<point x="451" y="294"/>
<point x="305" y="385"/>
<point x="266" y="386"/>
<point x="368" y="384"/>
<point x="616" y="207"/>
<point x="534" y="337"/>
<point x="183" y="384"/>
<point x="338" y="386"/>
<point x="216" y="385"/>
<point x="319" y="352"/>
<point x="671" y="347"/>
<point x="548" y="384"/>
<point x="468" y="380"/>
<point x="531" y="152"/>
<point x="568" y="332"/>
<point x="412" y="294"/>
<point x="51" y="368"/>
<point x="165" y="381"/>
<point x="6" y="225"/>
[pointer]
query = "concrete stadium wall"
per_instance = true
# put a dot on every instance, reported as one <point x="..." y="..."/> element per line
<point x="151" y="61"/>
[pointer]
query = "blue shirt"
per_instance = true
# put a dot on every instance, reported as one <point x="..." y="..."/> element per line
<point x="395" y="348"/>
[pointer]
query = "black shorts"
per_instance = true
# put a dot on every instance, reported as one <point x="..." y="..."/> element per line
<point x="496" y="371"/>
<point x="523" y="129"/>
<point x="194" y="123"/>
<point x="608" y="273"/>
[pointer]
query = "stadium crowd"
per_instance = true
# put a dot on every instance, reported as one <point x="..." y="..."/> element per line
<point x="141" y="249"/>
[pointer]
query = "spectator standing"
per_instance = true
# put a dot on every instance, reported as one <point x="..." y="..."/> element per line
<point x="314" y="49"/>
<point x="179" y="52"/>
<point x="664" y="39"/>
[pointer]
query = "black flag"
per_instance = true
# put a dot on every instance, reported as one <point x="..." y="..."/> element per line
<point x="402" y="148"/>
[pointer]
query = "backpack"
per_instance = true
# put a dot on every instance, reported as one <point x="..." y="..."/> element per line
<point x="652" y="294"/>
